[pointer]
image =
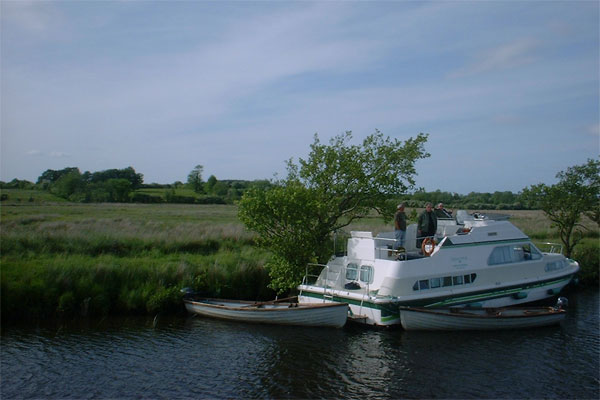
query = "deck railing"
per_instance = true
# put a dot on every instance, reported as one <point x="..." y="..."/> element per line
<point x="548" y="247"/>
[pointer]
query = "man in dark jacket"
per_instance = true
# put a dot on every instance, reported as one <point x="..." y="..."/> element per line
<point x="400" y="226"/>
<point x="426" y="224"/>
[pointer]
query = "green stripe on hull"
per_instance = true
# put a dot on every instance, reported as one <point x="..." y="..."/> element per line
<point x="389" y="309"/>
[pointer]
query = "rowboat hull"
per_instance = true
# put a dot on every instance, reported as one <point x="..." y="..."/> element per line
<point x="318" y="315"/>
<point x="450" y="319"/>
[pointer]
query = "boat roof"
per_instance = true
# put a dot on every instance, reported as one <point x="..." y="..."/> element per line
<point x="487" y="231"/>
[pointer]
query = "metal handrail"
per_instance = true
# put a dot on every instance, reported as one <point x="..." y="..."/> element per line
<point x="554" y="247"/>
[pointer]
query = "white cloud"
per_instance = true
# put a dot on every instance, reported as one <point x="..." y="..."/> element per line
<point x="594" y="129"/>
<point x="509" y="55"/>
<point x="58" y="154"/>
<point x="36" y="18"/>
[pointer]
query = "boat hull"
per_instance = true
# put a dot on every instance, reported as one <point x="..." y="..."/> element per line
<point x="383" y="311"/>
<point x="320" y="315"/>
<point x="479" y="319"/>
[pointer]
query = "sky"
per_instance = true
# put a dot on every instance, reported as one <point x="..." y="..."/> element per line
<point x="508" y="91"/>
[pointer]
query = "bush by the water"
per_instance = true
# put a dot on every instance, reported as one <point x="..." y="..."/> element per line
<point x="587" y="254"/>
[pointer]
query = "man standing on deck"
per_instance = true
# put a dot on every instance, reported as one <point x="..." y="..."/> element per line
<point x="400" y="226"/>
<point x="441" y="212"/>
<point x="426" y="225"/>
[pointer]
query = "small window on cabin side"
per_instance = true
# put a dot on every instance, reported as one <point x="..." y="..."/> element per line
<point x="457" y="280"/>
<point x="351" y="272"/>
<point x="473" y="276"/>
<point x="366" y="273"/>
<point x="424" y="284"/>
<point x="447" y="281"/>
<point x="435" y="282"/>
<point x="467" y="279"/>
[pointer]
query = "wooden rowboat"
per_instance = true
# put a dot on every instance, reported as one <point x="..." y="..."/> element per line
<point x="450" y="319"/>
<point x="332" y="315"/>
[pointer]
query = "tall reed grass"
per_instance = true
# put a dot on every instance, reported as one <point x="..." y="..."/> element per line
<point x="120" y="258"/>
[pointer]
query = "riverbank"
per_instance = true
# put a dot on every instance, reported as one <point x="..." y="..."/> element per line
<point x="66" y="259"/>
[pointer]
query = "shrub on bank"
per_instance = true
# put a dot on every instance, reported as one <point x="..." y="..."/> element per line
<point x="587" y="254"/>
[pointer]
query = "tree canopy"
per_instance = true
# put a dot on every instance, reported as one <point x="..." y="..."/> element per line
<point x="194" y="179"/>
<point x="337" y="184"/>
<point x="577" y="192"/>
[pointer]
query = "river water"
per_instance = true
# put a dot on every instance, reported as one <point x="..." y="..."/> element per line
<point x="193" y="357"/>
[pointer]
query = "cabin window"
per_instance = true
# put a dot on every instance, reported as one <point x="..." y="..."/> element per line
<point x="532" y="252"/>
<point x="500" y="255"/>
<point x="366" y="273"/>
<point x="512" y="254"/>
<point x="352" y="272"/>
<point x="445" y="281"/>
<point x="555" y="265"/>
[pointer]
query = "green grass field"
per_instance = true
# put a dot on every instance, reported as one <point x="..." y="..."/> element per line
<point x="61" y="258"/>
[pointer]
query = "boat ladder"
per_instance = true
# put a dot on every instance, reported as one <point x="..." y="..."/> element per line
<point x="360" y="315"/>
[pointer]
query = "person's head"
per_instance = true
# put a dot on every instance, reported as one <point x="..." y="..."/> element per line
<point x="439" y="206"/>
<point x="428" y="206"/>
<point x="400" y="207"/>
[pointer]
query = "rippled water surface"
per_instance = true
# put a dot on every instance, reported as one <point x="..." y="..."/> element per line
<point x="181" y="357"/>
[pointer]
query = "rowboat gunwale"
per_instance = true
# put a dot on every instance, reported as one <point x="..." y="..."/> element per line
<point x="491" y="313"/>
<point x="260" y="306"/>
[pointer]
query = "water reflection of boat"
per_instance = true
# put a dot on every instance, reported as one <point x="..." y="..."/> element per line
<point x="276" y="312"/>
<point x="450" y="319"/>
<point x="470" y="262"/>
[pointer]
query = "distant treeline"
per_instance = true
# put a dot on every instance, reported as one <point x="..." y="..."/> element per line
<point x="473" y="201"/>
<point x="125" y="185"/>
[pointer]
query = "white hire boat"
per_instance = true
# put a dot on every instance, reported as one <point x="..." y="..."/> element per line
<point x="473" y="262"/>
<point x="452" y="319"/>
<point x="275" y="312"/>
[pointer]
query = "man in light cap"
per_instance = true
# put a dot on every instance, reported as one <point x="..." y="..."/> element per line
<point x="400" y="226"/>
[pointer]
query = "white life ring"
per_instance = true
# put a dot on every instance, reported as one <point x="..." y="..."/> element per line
<point x="428" y="246"/>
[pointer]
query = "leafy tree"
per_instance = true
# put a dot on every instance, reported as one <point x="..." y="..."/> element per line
<point x="337" y="184"/>
<point x="17" y="184"/>
<point x="577" y="192"/>
<point x="68" y="184"/>
<point x="50" y="176"/>
<point x="128" y="173"/>
<point x="210" y="183"/>
<point x="194" y="179"/>
<point x="119" y="189"/>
